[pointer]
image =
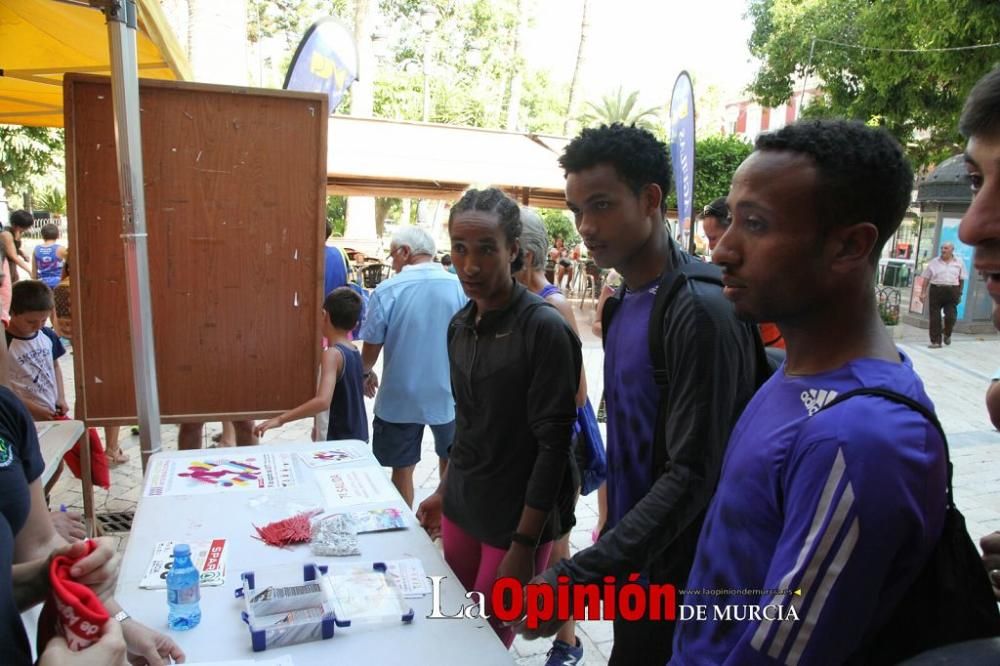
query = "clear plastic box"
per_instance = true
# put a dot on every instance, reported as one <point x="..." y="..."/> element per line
<point x="366" y="596"/>
<point x="283" y="609"/>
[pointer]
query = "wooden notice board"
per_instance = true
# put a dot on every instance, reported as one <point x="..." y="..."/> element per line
<point x="235" y="208"/>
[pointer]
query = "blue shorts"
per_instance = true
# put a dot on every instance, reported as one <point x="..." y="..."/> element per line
<point x="398" y="444"/>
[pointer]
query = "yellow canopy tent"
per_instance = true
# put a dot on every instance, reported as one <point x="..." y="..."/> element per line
<point x="40" y="40"/>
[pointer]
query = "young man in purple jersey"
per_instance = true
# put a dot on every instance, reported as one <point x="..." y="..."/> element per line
<point x="822" y="518"/>
<point x="665" y="441"/>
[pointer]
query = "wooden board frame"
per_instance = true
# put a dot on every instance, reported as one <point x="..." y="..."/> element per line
<point x="235" y="187"/>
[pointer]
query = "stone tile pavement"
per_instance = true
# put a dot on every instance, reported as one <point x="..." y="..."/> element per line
<point x="956" y="378"/>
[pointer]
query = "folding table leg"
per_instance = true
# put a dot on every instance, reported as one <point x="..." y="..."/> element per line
<point x="89" y="517"/>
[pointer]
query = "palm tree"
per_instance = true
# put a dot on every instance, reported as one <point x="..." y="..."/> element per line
<point x="614" y="109"/>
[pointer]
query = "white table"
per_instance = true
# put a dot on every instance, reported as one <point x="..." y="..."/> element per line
<point x="55" y="439"/>
<point x="223" y="635"/>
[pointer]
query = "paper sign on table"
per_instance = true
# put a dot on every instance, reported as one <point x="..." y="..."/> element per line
<point x="354" y="486"/>
<point x="409" y="576"/>
<point x="344" y="452"/>
<point x="209" y="557"/>
<point x="217" y="473"/>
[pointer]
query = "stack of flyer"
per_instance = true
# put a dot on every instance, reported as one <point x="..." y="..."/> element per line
<point x="209" y="557"/>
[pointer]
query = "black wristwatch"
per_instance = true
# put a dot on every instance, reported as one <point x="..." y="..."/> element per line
<point x="524" y="540"/>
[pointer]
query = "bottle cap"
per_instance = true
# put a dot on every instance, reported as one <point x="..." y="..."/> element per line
<point x="182" y="550"/>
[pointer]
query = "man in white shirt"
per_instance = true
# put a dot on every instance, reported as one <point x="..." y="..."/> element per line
<point x="945" y="276"/>
<point x="408" y="315"/>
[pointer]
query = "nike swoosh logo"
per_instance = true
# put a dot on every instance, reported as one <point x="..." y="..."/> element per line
<point x="503" y="335"/>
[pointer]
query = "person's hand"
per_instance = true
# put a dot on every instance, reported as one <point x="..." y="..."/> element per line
<point x="69" y="525"/>
<point x="148" y="647"/>
<point x="519" y="563"/>
<point x="62" y="408"/>
<point x="371" y="384"/>
<point x="99" y="570"/>
<point x="429" y="515"/>
<point x="991" y="559"/>
<point x="264" y="426"/>
<point x="109" y="650"/>
<point x="545" y="628"/>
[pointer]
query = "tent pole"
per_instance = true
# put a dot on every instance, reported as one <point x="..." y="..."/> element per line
<point x="122" y="22"/>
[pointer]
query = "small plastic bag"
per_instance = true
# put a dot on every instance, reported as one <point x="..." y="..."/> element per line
<point x="335" y="536"/>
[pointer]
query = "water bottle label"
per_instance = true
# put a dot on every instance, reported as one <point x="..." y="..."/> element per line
<point x="184" y="595"/>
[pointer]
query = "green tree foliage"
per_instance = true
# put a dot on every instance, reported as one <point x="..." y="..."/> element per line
<point x="559" y="225"/>
<point x="618" y="108"/>
<point x="27" y="152"/>
<point x="472" y="62"/>
<point x="288" y="19"/>
<point x="716" y="159"/>
<point x="336" y="212"/>
<point x="51" y="199"/>
<point x="916" y="95"/>
<point x="542" y="106"/>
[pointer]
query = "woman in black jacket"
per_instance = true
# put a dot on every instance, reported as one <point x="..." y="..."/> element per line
<point x="515" y="363"/>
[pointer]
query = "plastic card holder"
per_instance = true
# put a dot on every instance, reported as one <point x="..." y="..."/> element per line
<point x="362" y="595"/>
<point x="284" y="608"/>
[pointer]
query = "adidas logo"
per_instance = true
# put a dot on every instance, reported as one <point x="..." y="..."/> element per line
<point x="814" y="399"/>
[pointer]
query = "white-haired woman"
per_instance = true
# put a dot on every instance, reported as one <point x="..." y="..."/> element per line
<point x="535" y="245"/>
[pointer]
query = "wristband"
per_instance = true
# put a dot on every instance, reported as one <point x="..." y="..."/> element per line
<point x="524" y="540"/>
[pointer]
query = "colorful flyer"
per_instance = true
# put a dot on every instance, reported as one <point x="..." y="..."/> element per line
<point x="376" y="520"/>
<point x="215" y="474"/>
<point x="341" y="453"/>
<point x="208" y="557"/>
<point x="351" y="487"/>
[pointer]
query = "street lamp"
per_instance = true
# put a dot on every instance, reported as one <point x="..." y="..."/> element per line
<point x="428" y="21"/>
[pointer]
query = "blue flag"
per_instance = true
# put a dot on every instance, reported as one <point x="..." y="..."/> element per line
<point x="326" y="61"/>
<point x="682" y="152"/>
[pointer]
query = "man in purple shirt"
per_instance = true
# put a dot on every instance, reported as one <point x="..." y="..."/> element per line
<point x="823" y="518"/>
<point x="665" y="442"/>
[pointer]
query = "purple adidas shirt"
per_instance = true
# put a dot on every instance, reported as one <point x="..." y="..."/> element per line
<point x="631" y="398"/>
<point x="843" y="505"/>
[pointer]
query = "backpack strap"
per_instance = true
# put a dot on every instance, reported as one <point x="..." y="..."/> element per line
<point x="608" y="311"/>
<point x="912" y="404"/>
<point x="670" y="284"/>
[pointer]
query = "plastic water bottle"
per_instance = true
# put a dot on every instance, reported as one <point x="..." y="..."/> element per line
<point x="183" y="592"/>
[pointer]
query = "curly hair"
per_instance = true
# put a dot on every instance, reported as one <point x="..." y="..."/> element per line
<point x="638" y="157"/>
<point x="981" y="113"/>
<point x="863" y="174"/>
<point x="492" y="200"/>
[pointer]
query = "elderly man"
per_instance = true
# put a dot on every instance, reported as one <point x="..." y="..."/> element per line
<point x="408" y="314"/>
<point x="946" y="276"/>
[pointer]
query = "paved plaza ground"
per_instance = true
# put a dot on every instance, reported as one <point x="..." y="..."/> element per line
<point x="956" y="378"/>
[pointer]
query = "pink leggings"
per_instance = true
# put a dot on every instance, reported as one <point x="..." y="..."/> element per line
<point x="476" y="563"/>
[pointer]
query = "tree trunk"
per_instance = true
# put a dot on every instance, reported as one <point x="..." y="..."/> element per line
<point x="517" y="69"/>
<point x="575" y="83"/>
<point x="361" y="215"/>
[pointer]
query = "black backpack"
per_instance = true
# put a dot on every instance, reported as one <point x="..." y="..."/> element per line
<point x="670" y="284"/>
<point x="951" y="599"/>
